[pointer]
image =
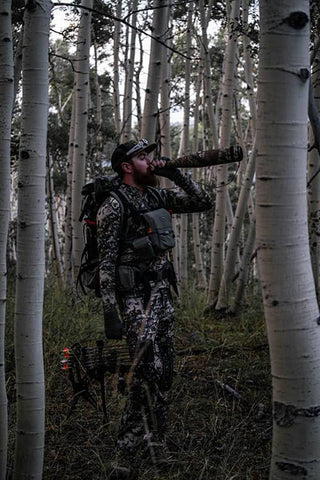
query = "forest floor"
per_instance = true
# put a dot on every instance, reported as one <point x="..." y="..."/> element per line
<point x="220" y="423"/>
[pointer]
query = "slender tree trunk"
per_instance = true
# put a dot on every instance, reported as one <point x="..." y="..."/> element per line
<point x="244" y="268"/>
<point x="80" y="132"/>
<point x="53" y="224"/>
<point x="184" y="149"/>
<point x="127" y="101"/>
<point x="116" y="49"/>
<point x="18" y="64"/>
<point x="6" y="103"/>
<point x="314" y="188"/>
<point x="67" y="227"/>
<point x="248" y="67"/>
<point x="150" y="111"/>
<point x="201" y="278"/>
<point x="289" y="297"/>
<point x="205" y="55"/>
<point x="217" y="255"/>
<point x="235" y="235"/>
<point x="98" y="116"/>
<point x="30" y="244"/>
<point x="164" y="117"/>
<point x="137" y="87"/>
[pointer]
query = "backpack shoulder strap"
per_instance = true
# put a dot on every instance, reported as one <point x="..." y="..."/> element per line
<point x="156" y="194"/>
<point x="126" y="209"/>
<point x="122" y="200"/>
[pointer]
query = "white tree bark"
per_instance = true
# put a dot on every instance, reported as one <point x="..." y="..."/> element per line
<point x="201" y="277"/>
<point x="235" y="235"/>
<point x="205" y="57"/>
<point x="98" y="115"/>
<point x="289" y="297"/>
<point x="67" y="227"/>
<point x="53" y="224"/>
<point x="30" y="244"/>
<point x="137" y="86"/>
<point x="314" y="188"/>
<point x="244" y="268"/>
<point x="184" y="148"/>
<point x="150" y="111"/>
<point x="80" y="131"/>
<point x="116" y="77"/>
<point x="127" y="101"/>
<point x="18" y="64"/>
<point x="248" y="67"/>
<point x="217" y="253"/>
<point x="6" y="102"/>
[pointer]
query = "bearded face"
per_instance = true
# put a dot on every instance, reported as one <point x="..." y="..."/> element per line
<point x="142" y="173"/>
<point x="145" y="178"/>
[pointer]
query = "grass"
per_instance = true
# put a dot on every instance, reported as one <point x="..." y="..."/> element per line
<point x="220" y="416"/>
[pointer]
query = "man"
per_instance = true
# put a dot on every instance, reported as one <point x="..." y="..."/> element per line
<point x="134" y="239"/>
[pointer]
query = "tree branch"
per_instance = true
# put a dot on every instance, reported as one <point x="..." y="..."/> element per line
<point x="116" y="19"/>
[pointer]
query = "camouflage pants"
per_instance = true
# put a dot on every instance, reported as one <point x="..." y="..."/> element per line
<point x="150" y="332"/>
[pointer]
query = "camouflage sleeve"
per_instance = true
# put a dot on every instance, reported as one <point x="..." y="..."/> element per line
<point x="192" y="199"/>
<point x="108" y="236"/>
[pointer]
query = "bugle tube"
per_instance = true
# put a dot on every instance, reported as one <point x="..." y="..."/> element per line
<point x="208" y="158"/>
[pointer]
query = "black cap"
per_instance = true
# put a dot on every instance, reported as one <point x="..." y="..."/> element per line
<point x="130" y="149"/>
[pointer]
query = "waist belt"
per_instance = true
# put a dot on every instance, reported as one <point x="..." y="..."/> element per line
<point x="129" y="277"/>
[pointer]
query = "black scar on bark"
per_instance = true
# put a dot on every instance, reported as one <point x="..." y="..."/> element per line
<point x="31" y="5"/>
<point x="292" y="468"/>
<point x="297" y="20"/>
<point x="285" y="415"/>
<point x="24" y="155"/>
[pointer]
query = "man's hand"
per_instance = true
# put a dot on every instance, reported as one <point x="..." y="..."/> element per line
<point x="113" y="327"/>
<point x="157" y="163"/>
<point x="163" y="171"/>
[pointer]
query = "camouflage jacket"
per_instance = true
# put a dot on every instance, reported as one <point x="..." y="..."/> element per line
<point x="191" y="199"/>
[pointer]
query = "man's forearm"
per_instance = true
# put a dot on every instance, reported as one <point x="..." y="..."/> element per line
<point x="194" y="190"/>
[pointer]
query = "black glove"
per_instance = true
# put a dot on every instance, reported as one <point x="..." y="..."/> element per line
<point x="169" y="172"/>
<point x="112" y="325"/>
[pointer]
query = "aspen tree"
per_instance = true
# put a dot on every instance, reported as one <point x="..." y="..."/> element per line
<point x="204" y="50"/>
<point x="80" y="130"/>
<point x="138" y="71"/>
<point x="244" y="267"/>
<point x="289" y="297"/>
<point x="18" y="63"/>
<point x="127" y="101"/>
<point x="150" y="110"/>
<point x="165" y="140"/>
<point x="229" y="266"/>
<point x="184" y="148"/>
<point x="201" y="277"/>
<point x="53" y="224"/>
<point x="248" y="67"/>
<point x="98" y="115"/>
<point x="314" y="187"/>
<point x="116" y="49"/>
<point x="217" y="251"/>
<point x="67" y="250"/>
<point x="30" y="267"/>
<point x="164" y="117"/>
<point x="6" y="102"/>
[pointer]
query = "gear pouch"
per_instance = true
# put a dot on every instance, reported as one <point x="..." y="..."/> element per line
<point x="126" y="278"/>
<point x="160" y="229"/>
